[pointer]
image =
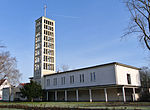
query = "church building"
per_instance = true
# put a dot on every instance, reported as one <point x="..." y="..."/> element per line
<point x="107" y="82"/>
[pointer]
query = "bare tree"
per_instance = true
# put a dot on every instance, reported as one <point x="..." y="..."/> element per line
<point x="140" y="20"/>
<point x="63" y="68"/>
<point x="145" y="84"/>
<point x="8" y="68"/>
<point x="145" y="78"/>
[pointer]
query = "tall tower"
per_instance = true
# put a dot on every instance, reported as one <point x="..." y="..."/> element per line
<point x="44" y="54"/>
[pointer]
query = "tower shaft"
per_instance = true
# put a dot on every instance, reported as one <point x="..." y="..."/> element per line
<point x="44" y="54"/>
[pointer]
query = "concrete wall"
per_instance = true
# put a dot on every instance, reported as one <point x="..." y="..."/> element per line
<point x="105" y="75"/>
<point x="121" y="76"/>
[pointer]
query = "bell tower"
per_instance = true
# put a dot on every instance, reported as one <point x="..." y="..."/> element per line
<point x="44" y="52"/>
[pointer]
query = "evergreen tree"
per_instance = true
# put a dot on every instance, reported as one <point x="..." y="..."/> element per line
<point x="31" y="90"/>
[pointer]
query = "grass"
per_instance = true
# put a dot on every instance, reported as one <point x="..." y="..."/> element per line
<point x="10" y="109"/>
<point x="85" y="105"/>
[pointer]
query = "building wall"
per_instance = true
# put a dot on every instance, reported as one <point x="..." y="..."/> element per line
<point x="4" y="85"/>
<point x="121" y="76"/>
<point x="46" y="71"/>
<point x="104" y="75"/>
<point x="8" y="94"/>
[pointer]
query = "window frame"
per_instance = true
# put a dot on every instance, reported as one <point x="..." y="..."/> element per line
<point x="128" y="78"/>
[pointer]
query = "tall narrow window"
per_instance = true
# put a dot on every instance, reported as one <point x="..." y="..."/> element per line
<point x="48" y="82"/>
<point x="81" y="78"/>
<point x="44" y="50"/>
<point x="62" y="80"/>
<point x="55" y="81"/>
<point x="71" y="79"/>
<point x="93" y="78"/>
<point x="44" y="66"/>
<point x="129" y="78"/>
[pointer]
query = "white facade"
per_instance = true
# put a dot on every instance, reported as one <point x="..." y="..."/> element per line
<point x="109" y="74"/>
<point x="121" y="75"/>
<point x="107" y="82"/>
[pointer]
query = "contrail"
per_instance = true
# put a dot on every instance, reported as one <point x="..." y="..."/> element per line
<point x="67" y="16"/>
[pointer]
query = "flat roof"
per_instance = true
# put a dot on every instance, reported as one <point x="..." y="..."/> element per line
<point x="113" y="63"/>
<point x="44" y="17"/>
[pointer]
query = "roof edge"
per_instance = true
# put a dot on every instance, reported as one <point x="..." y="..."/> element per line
<point x="117" y="63"/>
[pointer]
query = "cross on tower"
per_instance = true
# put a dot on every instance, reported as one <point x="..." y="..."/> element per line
<point x="45" y="10"/>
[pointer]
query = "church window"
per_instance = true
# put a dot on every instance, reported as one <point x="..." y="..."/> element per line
<point x="129" y="78"/>
<point x="92" y="75"/>
<point x="62" y="80"/>
<point x="81" y="78"/>
<point x="72" y="79"/>
<point x="48" y="82"/>
<point x="55" y="81"/>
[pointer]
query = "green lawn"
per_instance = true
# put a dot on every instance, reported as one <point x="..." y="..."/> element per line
<point x="10" y="109"/>
<point x="90" y="105"/>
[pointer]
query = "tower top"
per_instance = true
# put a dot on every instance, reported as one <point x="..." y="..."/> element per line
<point x="45" y="10"/>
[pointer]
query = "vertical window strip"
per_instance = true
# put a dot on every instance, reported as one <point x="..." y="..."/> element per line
<point x="94" y="76"/>
<point x="128" y="78"/>
<point x="91" y="76"/>
<point x="55" y="81"/>
<point x="48" y="82"/>
<point x="82" y="77"/>
<point x="71" y="79"/>
<point x="64" y="80"/>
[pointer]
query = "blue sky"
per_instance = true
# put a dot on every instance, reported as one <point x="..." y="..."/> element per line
<point x="88" y="32"/>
